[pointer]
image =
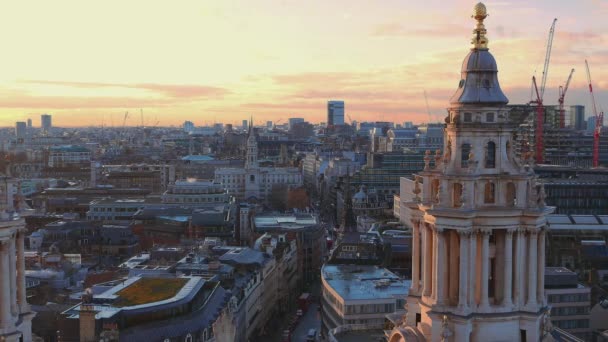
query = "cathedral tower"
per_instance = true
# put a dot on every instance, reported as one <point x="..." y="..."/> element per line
<point x="479" y="227"/>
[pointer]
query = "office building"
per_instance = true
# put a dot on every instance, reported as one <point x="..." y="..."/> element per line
<point x="244" y="125"/>
<point x="46" y="122"/>
<point x="570" y="301"/>
<point x="577" y="117"/>
<point x="335" y="113"/>
<point x="20" y="130"/>
<point x="293" y="121"/>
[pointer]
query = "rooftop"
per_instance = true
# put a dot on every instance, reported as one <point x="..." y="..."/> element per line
<point x="266" y="221"/>
<point x="149" y="290"/>
<point x="363" y="282"/>
<point x="590" y="222"/>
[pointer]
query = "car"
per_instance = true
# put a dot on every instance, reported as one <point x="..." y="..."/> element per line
<point x="299" y="313"/>
<point x="311" y="336"/>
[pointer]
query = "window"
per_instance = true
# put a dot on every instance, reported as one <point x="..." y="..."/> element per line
<point x="464" y="155"/>
<point x="461" y="84"/>
<point x="489" y="192"/>
<point x="457" y="195"/>
<point x="468" y="117"/>
<point x="489" y="117"/>
<point x="511" y="194"/>
<point x="491" y="155"/>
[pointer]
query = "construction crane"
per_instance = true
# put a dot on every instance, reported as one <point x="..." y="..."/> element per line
<point x="428" y="109"/>
<point x="540" y="109"/>
<point x="562" y="95"/>
<point x="141" y="112"/>
<point x="599" y="119"/>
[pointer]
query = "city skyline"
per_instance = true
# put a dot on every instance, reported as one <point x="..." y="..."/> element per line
<point x="87" y="64"/>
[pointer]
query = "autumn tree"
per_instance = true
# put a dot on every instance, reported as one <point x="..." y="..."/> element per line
<point x="298" y="198"/>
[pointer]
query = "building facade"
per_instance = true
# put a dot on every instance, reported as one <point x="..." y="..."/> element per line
<point x="255" y="182"/>
<point x="479" y="230"/>
<point x="335" y="113"/>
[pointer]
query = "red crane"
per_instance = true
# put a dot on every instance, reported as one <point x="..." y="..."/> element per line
<point x="562" y="95"/>
<point x="540" y="109"/>
<point x="599" y="119"/>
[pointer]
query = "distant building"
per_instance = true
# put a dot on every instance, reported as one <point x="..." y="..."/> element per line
<point x="293" y="121"/>
<point x="570" y="301"/>
<point x="188" y="126"/>
<point x="269" y="125"/>
<point x="20" y="130"/>
<point x="46" y="123"/>
<point x="68" y="155"/>
<point x="255" y="183"/>
<point x="245" y="125"/>
<point x="335" y="113"/>
<point x="577" y="117"/>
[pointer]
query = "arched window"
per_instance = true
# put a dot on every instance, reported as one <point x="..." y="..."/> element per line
<point x="465" y="150"/>
<point x="511" y="194"/>
<point x="252" y="178"/>
<point x="457" y="195"/>
<point x="188" y="338"/>
<point x="489" y="191"/>
<point x="491" y="155"/>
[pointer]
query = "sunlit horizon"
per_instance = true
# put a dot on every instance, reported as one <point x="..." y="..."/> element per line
<point x="222" y="62"/>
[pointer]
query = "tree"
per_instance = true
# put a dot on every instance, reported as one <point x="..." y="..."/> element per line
<point x="298" y="198"/>
<point x="278" y="197"/>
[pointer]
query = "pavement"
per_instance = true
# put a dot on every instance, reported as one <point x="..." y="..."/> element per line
<point x="310" y="320"/>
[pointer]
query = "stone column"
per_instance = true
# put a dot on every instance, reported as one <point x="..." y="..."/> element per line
<point x="541" y="267"/>
<point x="21" y="290"/>
<point x="518" y="270"/>
<point x="454" y="269"/>
<point x="12" y="256"/>
<point x="435" y="268"/>
<point x="463" y="266"/>
<point x="473" y="269"/>
<point x="508" y="268"/>
<point x="442" y="267"/>
<point x="532" y="268"/>
<point x="426" y="270"/>
<point x="416" y="258"/>
<point x="485" y="268"/>
<point x="5" y="287"/>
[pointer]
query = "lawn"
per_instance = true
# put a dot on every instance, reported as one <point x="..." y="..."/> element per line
<point x="149" y="290"/>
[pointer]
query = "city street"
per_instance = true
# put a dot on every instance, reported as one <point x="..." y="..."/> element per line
<point x="311" y="320"/>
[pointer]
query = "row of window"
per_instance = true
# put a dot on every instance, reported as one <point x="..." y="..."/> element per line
<point x="468" y="117"/>
<point x="370" y="308"/>
<point x="490" y="157"/>
<point x="582" y="297"/>
<point x="569" y="311"/>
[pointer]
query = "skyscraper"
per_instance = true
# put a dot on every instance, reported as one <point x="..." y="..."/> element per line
<point x="478" y="223"/>
<point x="335" y="113"/>
<point x="20" y="130"/>
<point x="577" y="117"/>
<point x="245" y="126"/>
<point x="46" y="122"/>
<point x="293" y="121"/>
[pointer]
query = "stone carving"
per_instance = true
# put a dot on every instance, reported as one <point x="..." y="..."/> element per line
<point x="541" y="196"/>
<point x="448" y="152"/>
<point x="416" y="189"/>
<point x="445" y="329"/>
<point x="427" y="160"/>
<point x="438" y="159"/>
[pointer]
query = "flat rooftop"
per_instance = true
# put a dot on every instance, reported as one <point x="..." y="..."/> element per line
<point x="361" y="335"/>
<point x="149" y="290"/>
<point x="364" y="282"/>
<point x="284" y="221"/>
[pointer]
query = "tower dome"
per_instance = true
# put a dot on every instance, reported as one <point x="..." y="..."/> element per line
<point x="479" y="80"/>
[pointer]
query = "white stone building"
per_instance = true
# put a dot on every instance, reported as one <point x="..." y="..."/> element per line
<point x="479" y="229"/>
<point x="15" y="314"/>
<point x="255" y="182"/>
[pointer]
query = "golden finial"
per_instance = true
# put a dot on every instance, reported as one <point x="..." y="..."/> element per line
<point x="479" y="41"/>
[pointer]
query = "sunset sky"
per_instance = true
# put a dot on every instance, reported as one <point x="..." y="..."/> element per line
<point x="87" y="62"/>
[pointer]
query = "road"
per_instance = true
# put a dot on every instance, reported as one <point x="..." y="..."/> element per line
<point x="311" y="320"/>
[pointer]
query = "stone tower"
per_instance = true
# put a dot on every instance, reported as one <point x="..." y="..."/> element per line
<point x="15" y="314"/>
<point x="479" y="227"/>
<point x="251" y="161"/>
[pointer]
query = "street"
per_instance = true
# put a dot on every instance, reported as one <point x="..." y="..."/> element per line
<point x="311" y="320"/>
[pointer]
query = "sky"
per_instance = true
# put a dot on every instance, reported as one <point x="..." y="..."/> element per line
<point x="89" y="62"/>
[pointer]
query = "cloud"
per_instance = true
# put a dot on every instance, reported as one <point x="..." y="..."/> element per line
<point x="182" y="91"/>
